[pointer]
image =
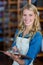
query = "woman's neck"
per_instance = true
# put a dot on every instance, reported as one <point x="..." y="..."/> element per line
<point x="27" y="30"/>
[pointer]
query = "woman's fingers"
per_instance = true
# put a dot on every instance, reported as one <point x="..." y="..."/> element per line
<point x="15" y="48"/>
<point x="7" y="53"/>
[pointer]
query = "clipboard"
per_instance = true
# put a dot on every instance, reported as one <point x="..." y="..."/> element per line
<point x="22" y="56"/>
<point x="18" y="54"/>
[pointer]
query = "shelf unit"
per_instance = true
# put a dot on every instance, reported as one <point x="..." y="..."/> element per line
<point x="14" y="11"/>
<point x="10" y="18"/>
<point x="1" y="24"/>
<point x="6" y="26"/>
<point x="40" y="54"/>
<point x="40" y="9"/>
<point x="14" y="8"/>
<point x="11" y="10"/>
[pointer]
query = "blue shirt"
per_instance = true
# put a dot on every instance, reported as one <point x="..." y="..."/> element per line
<point x="34" y="48"/>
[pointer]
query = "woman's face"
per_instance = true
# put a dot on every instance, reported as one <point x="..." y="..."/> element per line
<point x="28" y="17"/>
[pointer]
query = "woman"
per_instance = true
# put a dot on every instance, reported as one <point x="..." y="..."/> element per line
<point x="28" y="37"/>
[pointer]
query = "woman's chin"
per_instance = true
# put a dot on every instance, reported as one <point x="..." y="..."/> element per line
<point x="28" y="24"/>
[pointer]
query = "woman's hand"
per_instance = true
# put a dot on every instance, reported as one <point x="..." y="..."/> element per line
<point x="15" y="49"/>
<point x="7" y="53"/>
<point x="20" y="61"/>
<point x="17" y="59"/>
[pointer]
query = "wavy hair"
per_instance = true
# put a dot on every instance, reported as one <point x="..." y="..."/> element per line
<point x="36" y="24"/>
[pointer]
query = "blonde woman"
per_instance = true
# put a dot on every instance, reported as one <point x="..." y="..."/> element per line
<point x="28" y="37"/>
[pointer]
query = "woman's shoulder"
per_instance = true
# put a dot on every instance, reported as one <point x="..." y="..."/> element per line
<point x="37" y="38"/>
<point x="37" y="35"/>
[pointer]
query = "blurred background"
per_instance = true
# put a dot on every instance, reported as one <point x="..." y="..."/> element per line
<point x="9" y="18"/>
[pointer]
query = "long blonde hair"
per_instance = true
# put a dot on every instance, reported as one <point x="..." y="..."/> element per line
<point x="36" y="25"/>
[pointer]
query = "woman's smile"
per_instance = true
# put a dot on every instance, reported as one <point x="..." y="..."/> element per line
<point x="28" y="17"/>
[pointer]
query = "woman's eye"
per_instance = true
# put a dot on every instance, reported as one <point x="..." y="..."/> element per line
<point x="30" y="14"/>
<point x="24" y="14"/>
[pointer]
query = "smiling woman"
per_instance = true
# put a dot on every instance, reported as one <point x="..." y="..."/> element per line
<point x="29" y="28"/>
<point x="28" y="38"/>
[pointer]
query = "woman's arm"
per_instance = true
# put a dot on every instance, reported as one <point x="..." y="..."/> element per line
<point x="35" y="46"/>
